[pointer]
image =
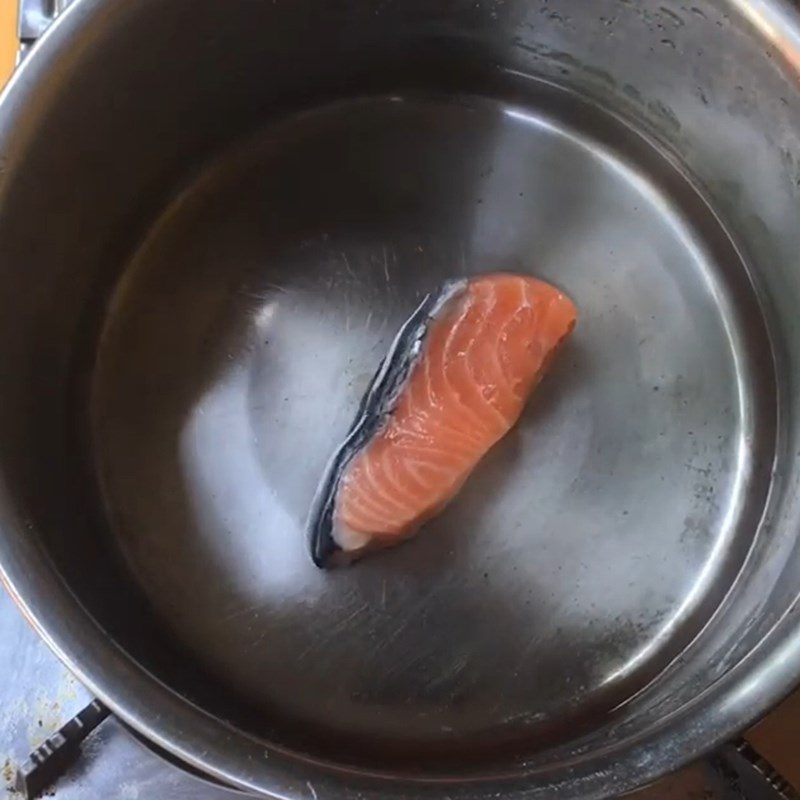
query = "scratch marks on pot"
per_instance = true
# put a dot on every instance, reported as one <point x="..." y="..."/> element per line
<point x="268" y="289"/>
<point x="250" y="609"/>
<point x="630" y="91"/>
<point x="331" y="630"/>
<point x="386" y="267"/>
<point x="672" y="16"/>
<point x="345" y="621"/>
<point x="348" y="268"/>
<point x="664" y="114"/>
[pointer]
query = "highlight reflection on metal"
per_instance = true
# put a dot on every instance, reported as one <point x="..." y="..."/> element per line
<point x="774" y="21"/>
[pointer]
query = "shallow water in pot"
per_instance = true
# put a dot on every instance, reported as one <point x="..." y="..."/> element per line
<point x="584" y="554"/>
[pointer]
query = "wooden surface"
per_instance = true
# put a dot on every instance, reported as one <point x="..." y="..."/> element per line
<point x="777" y="737"/>
<point x="8" y="37"/>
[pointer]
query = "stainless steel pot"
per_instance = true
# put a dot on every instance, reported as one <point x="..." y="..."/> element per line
<point x="214" y="215"/>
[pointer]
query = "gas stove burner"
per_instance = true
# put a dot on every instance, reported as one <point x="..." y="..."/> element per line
<point x="50" y="760"/>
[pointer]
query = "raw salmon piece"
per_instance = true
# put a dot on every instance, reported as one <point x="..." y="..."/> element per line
<point x="453" y="384"/>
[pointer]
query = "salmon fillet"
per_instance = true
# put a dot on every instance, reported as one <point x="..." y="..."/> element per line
<point x="476" y="363"/>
